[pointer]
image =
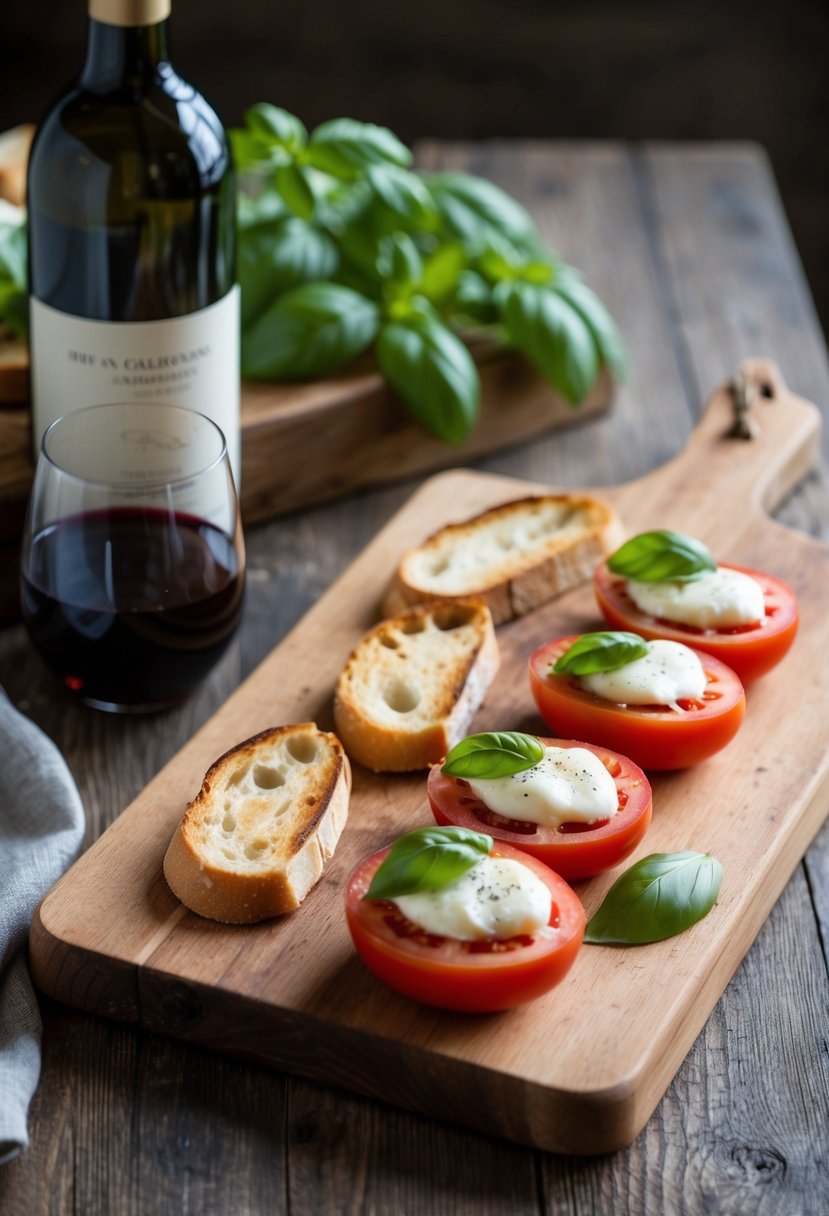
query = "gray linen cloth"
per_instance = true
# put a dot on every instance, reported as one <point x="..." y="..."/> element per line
<point x="41" y="827"/>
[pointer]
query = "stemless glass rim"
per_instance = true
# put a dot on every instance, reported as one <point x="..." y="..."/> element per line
<point x="181" y="479"/>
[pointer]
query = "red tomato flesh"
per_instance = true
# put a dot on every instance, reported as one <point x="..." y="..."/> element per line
<point x="472" y="977"/>
<point x="653" y="736"/>
<point x="749" y="650"/>
<point x="573" y="850"/>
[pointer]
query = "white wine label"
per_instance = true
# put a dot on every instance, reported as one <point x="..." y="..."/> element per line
<point x="192" y="361"/>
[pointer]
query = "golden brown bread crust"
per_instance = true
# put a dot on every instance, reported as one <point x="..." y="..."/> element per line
<point x="14" y="160"/>
<point x="522" y="577"/>
<point x="443" y="656"/>
<point x="308" y="831"/>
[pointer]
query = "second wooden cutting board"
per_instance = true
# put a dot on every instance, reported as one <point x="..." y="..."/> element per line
<point x="580" y="1070"/>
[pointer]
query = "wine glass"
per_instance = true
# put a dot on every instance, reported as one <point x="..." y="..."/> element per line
<point x="133" y="567"/>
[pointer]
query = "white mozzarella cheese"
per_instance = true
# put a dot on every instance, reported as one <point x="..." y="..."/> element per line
<point x="568" y="785"/>
<point x="668" y="673"/>
<point x="498" y="898"/>
<point x="717" y="599"/>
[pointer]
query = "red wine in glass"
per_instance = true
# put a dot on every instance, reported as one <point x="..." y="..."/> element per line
<point x="132" y="572"/>
<point x="132" y="605"/>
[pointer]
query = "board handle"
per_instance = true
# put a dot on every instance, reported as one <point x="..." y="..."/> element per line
<point x="755" y="436"/>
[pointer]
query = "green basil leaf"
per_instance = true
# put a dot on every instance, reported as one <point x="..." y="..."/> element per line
<point x="346" y="148"/>
<point x="433" y="372"/>
<point x="658" y="897"/>
<point x="598" y="320"/>
<point x="251" y="152"/>
<point x="14" y="301"/>
<point x="474" y="299"/>
<point x="272" y="258"/>
<point x="309" y="331"/>
<point x="427" y="860"/>
<point x="14" y="309"/>
<point x="538" y="272"/>
<point x="13" y="254"/>
<point x="259" y="208"/>
<point x="552" y="336"/>
<point x="295" y="190"/>
<point x="493" y="754"/>
<point x="273" y="124"/>
<point x="661" y="557"/>
<point x="404" y="193"/>
<point x="442" y="271"/>
<point x="604" y="651"/>
<point x="500" y="260"/>
<point x="473" y="208"/>
<point x="399" y="262"/>
<point x="359" y="240"/>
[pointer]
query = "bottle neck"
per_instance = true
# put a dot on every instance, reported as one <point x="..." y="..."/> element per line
<point x="121" y="53"/>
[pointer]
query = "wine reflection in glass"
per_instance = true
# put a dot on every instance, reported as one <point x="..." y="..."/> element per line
<point x="133" y="567"/>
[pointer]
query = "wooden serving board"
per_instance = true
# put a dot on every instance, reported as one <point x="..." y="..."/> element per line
<point x="580" y="1070"/>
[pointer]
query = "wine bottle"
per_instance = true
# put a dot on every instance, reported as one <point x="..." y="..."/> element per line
<point x="131" y="198"/>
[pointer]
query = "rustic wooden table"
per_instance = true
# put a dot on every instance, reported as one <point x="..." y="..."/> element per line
<point x="690" y="248"/>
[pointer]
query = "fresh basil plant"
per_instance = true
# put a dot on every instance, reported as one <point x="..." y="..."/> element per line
<point x="14" y="299"/>
<point x="344" y="248"/>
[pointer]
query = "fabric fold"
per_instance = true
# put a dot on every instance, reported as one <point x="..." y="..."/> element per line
<point x="41" y="829"/>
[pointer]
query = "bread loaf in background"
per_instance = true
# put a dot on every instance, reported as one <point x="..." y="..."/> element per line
<point x="14" y="351"/>
<point x="14" y="161"/>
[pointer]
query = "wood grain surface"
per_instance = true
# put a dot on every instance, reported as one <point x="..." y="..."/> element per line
<point x="261" y="993"/>
<point x="129" y="1122"/>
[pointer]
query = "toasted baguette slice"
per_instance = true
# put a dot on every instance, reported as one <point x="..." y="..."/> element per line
<point x="266" y="820"/>
<point x="411" y="687"/>
<point x="515" y="557"/>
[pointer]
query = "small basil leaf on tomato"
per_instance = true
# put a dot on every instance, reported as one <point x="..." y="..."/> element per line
<point x="428" y="859"/>
<point x="661" y="557"/>
<point x="660" y="896"/>
<point x="493" y="754"/>
<point x="603" y="651"/>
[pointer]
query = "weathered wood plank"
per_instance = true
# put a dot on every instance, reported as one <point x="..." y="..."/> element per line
<point x="263" y="993"/>
<point x="732" y="277"/>
<point x="760" y="296"/>
<point x="290" y="563"/>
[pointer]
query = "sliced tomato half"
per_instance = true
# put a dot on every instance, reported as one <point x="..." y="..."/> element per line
<point x="653" y="736"/>
<point x="573" y="850"/>
<point x="474" y="977"/>
<point x="749" y="650"/>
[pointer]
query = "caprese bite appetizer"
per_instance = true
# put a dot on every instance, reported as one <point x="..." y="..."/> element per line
<point x="451" y="918"/>
<point x="664" y="584"/>
<point x="663" y="704"/>
<point x="577" y="807"/>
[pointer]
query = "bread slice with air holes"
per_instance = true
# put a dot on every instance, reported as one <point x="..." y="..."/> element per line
<point x="516" y="556"/>
<point x="257" y="836"/>
<point x="413" y="684"/>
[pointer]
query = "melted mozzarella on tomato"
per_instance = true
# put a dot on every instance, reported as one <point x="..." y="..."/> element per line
<point x="717" y="599"/>
<point x="569" y="785"/>
<point x="668" y="673"/>
<point x="498" y="898"/>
